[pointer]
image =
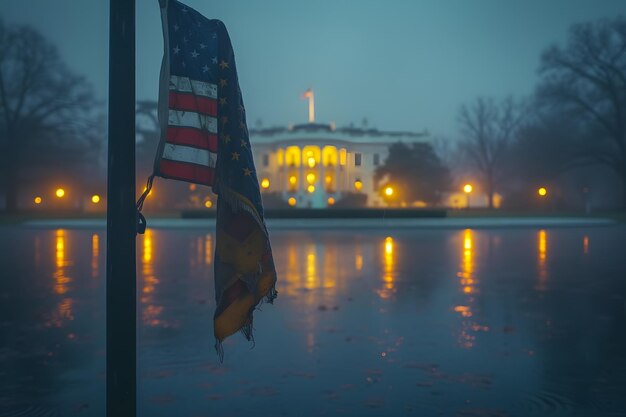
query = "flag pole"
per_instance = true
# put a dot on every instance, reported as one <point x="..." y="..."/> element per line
<point x="121" y="356"/>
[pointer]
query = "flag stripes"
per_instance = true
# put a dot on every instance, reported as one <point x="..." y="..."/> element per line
<point x="192" y="137"/>
<point x="191" y="103"/>
<point x="187" y="85"/>
<point x="190" y="146"/>
<point x="186" y="172"/>
<point x="192" y="119"/>
<point x="189" y="155"/>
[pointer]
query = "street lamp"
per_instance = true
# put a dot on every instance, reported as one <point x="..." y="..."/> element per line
<point x="542" y="191"/>
<point x="95" y="198"/>
<point x="60" y="192"/>
<point x="467" y="189"/>
<point x="389" y="191"/>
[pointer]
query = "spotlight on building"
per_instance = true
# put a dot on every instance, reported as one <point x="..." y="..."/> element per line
<point x="310" y="178"/>
<point x="311" y="162"/>
<point x="293" y="180"/>
<point x="95" y="198"/>
<point x="358" y="185"/>
<point x="330" y="201"/>
<point x="311" y="188"/>
<point x="265" y="183"/>
<point x="291" y="201"/>
<point x="467" y="188"/>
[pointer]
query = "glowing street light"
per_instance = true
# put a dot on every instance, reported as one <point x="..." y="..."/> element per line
<point x="542" y="191"/>
<point x="358" y="185"/>
<point x="467" y="189"/>
<point x="291" y="201"/>
<point x="60" y="192"/>
<point x="265" y="183"/>
<point x="310" y="188"/>
<point x="330" y="201"/>
<point x="37" y="200"/>
<point x="208" y="204"/>
<point x="389" y="191"/>
<point x="95" y="198"/>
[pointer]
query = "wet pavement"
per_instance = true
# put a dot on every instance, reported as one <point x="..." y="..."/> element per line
<point x="522" y="321"/>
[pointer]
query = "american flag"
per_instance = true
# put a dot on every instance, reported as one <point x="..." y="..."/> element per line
<point x="204" y="140"/>
<point x="189" y="96"/>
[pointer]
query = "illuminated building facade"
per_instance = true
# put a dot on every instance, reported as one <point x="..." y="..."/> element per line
<point x="317" y="165"/>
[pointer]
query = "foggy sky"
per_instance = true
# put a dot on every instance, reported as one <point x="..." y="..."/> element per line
<point x="404" y="65"/>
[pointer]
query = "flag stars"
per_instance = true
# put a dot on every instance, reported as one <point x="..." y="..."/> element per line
<point x="226" y="138"/>
<point x="243" y="144"/>
<point x="176" y="27"/>
<point x="176" y="49"/>
<point x="223" y="82"/>
<point x="223" y="101"/>
<point x="185" y="40"/>
<point x="235" y="156"/>
<point x="224" y="65"/>
<point x="202" y="46"/>
<point x="247" y="172"/>
<point x="194" y="54"/>
<point x="224" y="120"/>
<point x="214" y="60"/>
<point x="205" y="68"/>
<point x="242" y="125"/>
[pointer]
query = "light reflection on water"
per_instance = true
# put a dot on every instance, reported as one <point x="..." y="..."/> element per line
<point x="401" y="322"/>
<point x="542" y="256"/>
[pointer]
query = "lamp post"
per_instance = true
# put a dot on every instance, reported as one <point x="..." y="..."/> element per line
<point x="467" y="189"/>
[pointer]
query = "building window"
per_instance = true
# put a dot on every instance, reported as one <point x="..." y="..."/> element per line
<point x="376" y="159"/>
<point x="357" y="159"/>
<point x="266" y="160"/>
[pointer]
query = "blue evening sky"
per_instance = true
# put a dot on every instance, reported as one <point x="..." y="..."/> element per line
<point x="402" y="64"/>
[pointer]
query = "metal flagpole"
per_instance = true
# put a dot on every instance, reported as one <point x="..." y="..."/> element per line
<point x="121" y="215"/>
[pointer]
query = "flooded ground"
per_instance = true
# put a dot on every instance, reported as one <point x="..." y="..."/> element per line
<point x="450" y="322"/>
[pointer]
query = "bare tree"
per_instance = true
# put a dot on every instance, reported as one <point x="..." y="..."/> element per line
<point x="487" y="129"/>
<point x="43" y="106"/>
<point x="588" y="79"/>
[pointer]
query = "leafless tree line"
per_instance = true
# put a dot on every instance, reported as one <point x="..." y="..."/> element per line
<point x="576" y="117"/>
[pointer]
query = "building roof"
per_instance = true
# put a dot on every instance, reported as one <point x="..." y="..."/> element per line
<point x="311" y="132"/>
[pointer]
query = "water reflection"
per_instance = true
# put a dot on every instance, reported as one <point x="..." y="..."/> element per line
<point x="311" y="268"/>
<point x="64" y="310"/>
<point x="388" y="288"/>
<point x="542" y="256"/>
<point x="208" y="249"/>
<point x="95" y="254"/>
<point x="468" y="286"/>
<point x="151" y="311"/>
<point x="334" y="334"/>
<point x="358" y="258"/>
